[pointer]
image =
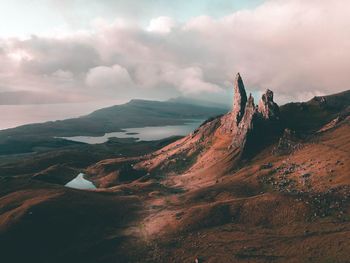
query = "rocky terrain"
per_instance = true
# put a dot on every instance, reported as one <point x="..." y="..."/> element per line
<point x="261" y="183"/>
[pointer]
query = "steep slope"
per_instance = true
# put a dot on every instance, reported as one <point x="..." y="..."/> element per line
<point x="312" y="115"/>
<point x="290" y="207"/>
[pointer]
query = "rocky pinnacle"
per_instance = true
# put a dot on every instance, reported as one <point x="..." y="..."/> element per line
<point x="250" y="125"/>
<point x="240" y="100"/>
<point x="267" y="107"/>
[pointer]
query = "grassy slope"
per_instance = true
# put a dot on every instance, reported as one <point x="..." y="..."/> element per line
<point x="238" y="218"/>
<point x="43" y="223"/>
<point x="261" y="214"/>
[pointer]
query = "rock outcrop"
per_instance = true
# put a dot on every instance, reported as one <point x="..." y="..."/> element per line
<point x="267" y="107"/>
<point x="251" y="125"/>
<point x="239" y="100"/>
<point x="231" y="120"/>
<point x="246" y="124"/>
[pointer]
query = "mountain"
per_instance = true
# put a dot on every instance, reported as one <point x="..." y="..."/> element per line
<point x="237" y="134"/>
<point x="136" y="113"/>
<point x="224" y="143"/>
<point x="242" y="179"/>
<point x="261" y="183"/>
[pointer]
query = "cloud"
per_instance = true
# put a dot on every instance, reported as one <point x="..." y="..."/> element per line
<point x="296" y="48"/>
<point x="47" y="55"/>
<point x="190" y="81"/>
<point x="63" y="75"/>
<point x="162" y="24"/>
<point x="109" y="80"/>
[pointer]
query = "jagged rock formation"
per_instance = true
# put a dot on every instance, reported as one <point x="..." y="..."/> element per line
<point x="252" y="125"/>
<point x="267" y="107"/>
<point x="240" y="137"/>
<point x="221" y="142"/>
<point x="239" y="100"/>
<point x="231" y="120"/>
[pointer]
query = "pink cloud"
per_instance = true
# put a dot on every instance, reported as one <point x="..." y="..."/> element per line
<point x="297" y="48"/>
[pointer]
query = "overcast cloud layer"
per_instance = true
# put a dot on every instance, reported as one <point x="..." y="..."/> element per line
<point x="297" y="48"/>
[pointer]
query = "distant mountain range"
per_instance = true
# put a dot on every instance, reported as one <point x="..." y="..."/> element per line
<point x="135" y="113"/>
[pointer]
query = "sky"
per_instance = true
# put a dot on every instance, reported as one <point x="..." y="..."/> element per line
<point x="89" y="50"/>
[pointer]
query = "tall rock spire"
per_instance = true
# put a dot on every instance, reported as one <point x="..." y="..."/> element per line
<point x="240" y="99"/>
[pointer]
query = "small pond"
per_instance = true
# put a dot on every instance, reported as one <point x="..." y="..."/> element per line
<point x="80" y="182"/>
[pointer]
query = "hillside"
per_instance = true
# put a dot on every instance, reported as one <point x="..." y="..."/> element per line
<point x="223" y="143"/>
<point x="245" y="178"/>
<point x="261" y="183"/>
<point x="316" y="112"/>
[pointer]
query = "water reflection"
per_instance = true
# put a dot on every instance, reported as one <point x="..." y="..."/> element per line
<point x="142" y="134"/>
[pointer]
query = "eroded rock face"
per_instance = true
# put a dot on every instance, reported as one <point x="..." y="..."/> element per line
<point x="246" y="123"/>
<point x="239" y="100"/>
<point x="231" y="120"/>
<point x="250" y="111"/>
<point x="267" y="107"/>
<point x="253" y="126"/>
